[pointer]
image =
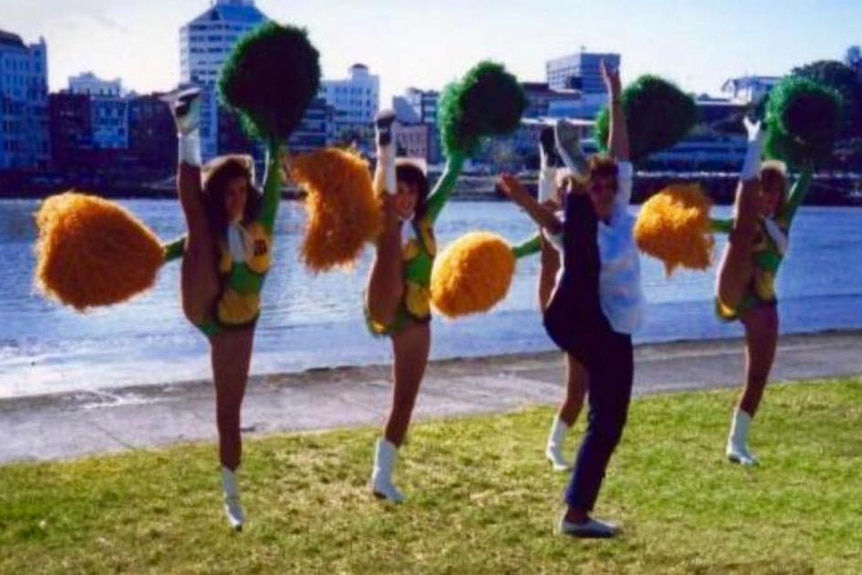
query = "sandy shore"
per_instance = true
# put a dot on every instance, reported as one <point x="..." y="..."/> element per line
<point x="78" y="424"/>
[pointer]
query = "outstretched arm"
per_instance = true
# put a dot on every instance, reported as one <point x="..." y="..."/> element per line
<point x="540" y="214"/>
<point x="445" y="185"/>
<point x="528" y="247"/>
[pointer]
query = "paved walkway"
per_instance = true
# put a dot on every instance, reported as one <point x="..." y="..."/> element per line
<point x="74" y="425"/>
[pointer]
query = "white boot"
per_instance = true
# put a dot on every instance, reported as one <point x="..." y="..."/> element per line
<point x="384" y="173"/>
<point x="232" y="506"/>
<point x="737" y="441"/>
<point x="385" y="454"/>
<point x="554" y="450"/>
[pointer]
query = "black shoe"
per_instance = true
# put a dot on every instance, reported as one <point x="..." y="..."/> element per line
<point x="548" y="149"/>
<point x="383" y="123"/>
<point x="591" y="529"/>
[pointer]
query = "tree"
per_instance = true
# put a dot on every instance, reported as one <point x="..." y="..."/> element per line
<point x="853" y="58"/>
<point x="846" y="82"/>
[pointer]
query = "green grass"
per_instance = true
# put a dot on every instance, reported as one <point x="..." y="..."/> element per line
<point x="480" y="499"/>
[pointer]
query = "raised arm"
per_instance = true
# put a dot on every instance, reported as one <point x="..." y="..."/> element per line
<point x="618" y="136"/>
<point x="797" y="193"/>
<point x="618" y="133"/>
<point x="445" y="185"/>
<point x="272" y="181"/>
<point x="542" y="215"/>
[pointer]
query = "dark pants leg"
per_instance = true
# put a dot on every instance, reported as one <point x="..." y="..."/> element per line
<point x="611" y="372"/>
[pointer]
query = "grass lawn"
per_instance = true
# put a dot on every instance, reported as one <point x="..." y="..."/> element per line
<point x="481" y="499"/>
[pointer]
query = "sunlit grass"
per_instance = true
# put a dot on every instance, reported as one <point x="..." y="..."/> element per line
<point x="480" y="499"/>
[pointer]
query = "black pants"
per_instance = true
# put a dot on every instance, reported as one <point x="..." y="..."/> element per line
<point x="575" y="321"/>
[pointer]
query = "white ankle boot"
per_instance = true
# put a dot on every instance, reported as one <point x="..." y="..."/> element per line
<point x="385" y="454"/>
<point x="554" y="450"/>
<point x="737" y="441"/>
<point x="232" y="506"/>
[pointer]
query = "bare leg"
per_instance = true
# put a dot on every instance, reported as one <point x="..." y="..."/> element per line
<point x="550" y="264"/>
<point x="736" y="268"/>
<point x="761" y="340"/>
<point x="231" y="358"/>
<point x="411" y="346"/>
<point x="576" y="390"/>
<point x="199" y="279"/>
<point x="386" y="279"/>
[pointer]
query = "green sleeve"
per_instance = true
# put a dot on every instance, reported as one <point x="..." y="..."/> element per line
<point x="271" y="189"/>
<point x="445" y="185"/>
<point x="721" y="226"/>
<point x="528" y="247"/>
<point x="797" y="194"/>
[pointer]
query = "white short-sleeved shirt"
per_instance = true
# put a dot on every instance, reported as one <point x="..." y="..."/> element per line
<point x="620" y="291"/>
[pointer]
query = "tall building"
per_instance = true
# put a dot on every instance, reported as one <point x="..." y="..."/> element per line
<point x="205" y="44"/>
<point x="24" y="138"/>
<point x="356" y="101"/>
<point x="206" y="41"/>
<point x="579" y="71"/>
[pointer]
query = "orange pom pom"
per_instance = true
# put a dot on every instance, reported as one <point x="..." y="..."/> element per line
<point x="472" y="274"/>
<point x="91" y="252"/>
<point x="343" y="212"/>
<point x="674" y="227"/>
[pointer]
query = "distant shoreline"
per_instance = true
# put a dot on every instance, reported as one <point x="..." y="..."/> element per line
<point x="827" y="190"/>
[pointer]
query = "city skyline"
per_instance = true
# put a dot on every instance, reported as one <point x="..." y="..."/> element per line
<point x="404" y="44"/>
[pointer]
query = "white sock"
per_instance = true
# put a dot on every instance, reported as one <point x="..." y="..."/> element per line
<point x="189" y="150"/>
<point x="547" y="183"/>
<point x="751" y="165"/>
<point x="554" y="450"/>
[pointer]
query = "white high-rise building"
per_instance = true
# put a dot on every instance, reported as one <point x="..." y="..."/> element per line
<point x="23" y="103"/>
<point x="205" y="44"/>
<point x="356" y="100"/>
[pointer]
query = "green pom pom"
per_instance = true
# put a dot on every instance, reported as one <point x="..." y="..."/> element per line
<point x="270" y="78"/>
<point x="487" y="102"/>
<point x="803" y="119"/>
<point x="658" y="115"/>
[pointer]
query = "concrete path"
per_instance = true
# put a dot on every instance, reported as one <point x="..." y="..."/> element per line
<point x="75" y="425"/>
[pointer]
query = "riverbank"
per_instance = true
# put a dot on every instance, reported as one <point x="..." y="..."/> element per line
<point x="71" y="425"/>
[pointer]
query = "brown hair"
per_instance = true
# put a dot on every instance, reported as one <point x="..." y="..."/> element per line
<point x="602" y="167"/>
<point x="412" y="175"/>
<point x="217" y="174"/>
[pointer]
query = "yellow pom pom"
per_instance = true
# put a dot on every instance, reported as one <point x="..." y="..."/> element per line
<point x="343" y="212"/>
<point x="472" y="274"/>
<point x="674" y="227"/>
<point x="91" y="252"/>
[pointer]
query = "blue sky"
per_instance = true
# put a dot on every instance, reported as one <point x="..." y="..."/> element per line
<point x="697" y="43"/>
